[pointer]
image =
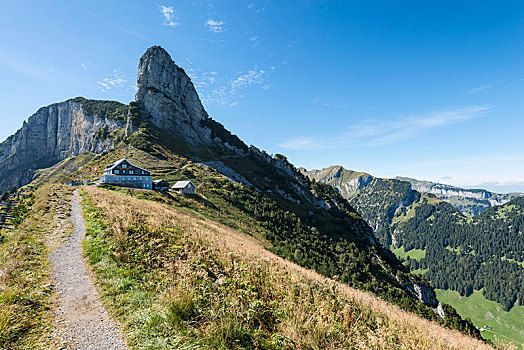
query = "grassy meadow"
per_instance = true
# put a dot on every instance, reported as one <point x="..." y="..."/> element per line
<point x="176" y="278"/>
<point x="507" y="326"/>
<point x="416" y="254"/>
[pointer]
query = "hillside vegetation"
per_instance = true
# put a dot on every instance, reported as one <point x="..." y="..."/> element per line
<point x="176" y="278"/>
<point x="26" y="293"/>
<point x="332" y="240"/>
<point x="454" y="251"/>
<point x="467" y="254"/>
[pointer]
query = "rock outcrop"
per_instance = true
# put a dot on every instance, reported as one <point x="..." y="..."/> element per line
<point x="347" y="182"/>
<point x="424" y="293"/>
<point x="50" y="135"/>
<point x="166" y="96"/>
<point x="166" y="93"/>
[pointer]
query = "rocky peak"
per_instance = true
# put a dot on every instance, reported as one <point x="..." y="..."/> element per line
<point x="169" y="97"/>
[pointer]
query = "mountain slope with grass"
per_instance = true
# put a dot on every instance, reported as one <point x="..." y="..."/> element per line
<point x="210" y="285"/>
<point x="247" y="190"/>
<point x="177" y="272"/>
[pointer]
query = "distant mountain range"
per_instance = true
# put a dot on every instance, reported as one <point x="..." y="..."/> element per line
<point x="468" y="201"/>
<point x="455" y="251"/>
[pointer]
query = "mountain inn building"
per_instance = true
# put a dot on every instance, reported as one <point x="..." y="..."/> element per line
<point x="123" y="173"/>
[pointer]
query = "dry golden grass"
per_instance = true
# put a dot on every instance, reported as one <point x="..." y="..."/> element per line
<point x="311" y="319"/>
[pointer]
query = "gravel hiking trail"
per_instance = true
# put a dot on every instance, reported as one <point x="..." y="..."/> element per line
<point x="82" y="321"/>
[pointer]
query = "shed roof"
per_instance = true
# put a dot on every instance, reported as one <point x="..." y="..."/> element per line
<point x="182" y="184"/>
<point x="159" y="181"/>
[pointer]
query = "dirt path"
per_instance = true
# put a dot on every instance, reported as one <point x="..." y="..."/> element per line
<point x="83" y="322"/>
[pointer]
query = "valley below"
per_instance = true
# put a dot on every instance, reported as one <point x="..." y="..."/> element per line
<point x="474" y="261"/>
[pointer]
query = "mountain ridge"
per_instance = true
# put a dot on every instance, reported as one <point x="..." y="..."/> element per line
<point x="52" y="134"/>
<point x="470" y="201"/>
<point x="305" y="222"/>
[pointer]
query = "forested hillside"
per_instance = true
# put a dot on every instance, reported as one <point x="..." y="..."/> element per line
<point x="485" y="252"/>
<point x="454" y="251"/>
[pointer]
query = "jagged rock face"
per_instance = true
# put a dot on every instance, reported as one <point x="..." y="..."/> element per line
<point x="347" y="182"/>
<point x="468" y="201"/>
<point x="50" y="135"/>
<point x="168" y="95"/>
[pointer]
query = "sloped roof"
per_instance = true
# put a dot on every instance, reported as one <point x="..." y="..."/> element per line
<point x="159" y="181"/>
<point x="112" y="166"/>
<point x="182" y="184"/>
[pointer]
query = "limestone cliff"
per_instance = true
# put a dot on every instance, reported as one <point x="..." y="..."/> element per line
<point x="50" y="135"/>
<point x="468" y="201"/>
<point x="166" y="93"/>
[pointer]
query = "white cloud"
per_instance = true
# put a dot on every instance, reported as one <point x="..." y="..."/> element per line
<point x="222" y="90"/>
<point x="248" y="78"/>
<point x="254" y="40"/>
<point x="379" y="133"/>
<point x="202" y="80"/>
<point x="215" y="26"/>
<point x="226" y="92"/>
<point x="169" y="16"/>
<point x="478" y="89"/>
<point x="304" y="143"/>
<point x="84" y="65"/>
<point x="115" y="80"/>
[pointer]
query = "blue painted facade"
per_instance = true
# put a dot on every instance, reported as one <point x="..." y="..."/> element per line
<point x="123" y="173"/>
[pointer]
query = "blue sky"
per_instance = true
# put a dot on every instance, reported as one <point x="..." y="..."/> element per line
<point x="427" y="89"/>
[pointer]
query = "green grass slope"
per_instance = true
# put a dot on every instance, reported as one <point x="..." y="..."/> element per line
<point x="282" y="210"/>
<point x="26" y="295"/>
<point x="175" y="277"/>
<point x="506" y="325"/>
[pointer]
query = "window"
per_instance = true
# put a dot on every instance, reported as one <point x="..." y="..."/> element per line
<point x="131" y="171"/>
<point x="117" y="171"/>
<point x="143" y="172"/>
<point x="124" y="165"/>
